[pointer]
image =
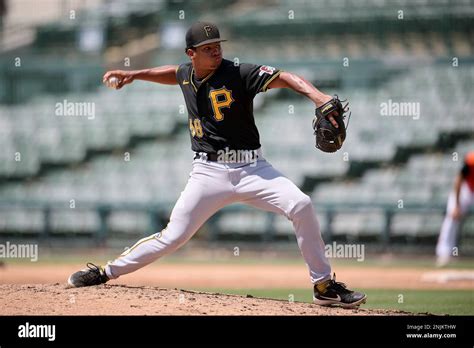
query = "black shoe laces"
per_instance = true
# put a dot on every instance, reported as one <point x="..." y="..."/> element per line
<point x="338" y="286"/>
<point x="93" y="267"/>
<point x="95" y="270"/>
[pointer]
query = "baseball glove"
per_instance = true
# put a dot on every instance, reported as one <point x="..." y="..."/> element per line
<point x="328" y="137"/>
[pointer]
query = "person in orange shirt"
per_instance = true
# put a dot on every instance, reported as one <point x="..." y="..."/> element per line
<point x="459" y="201"/>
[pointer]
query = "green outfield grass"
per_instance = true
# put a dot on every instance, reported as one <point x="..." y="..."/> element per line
<point x="75" y="256"/>
<point x="453" y="302"/>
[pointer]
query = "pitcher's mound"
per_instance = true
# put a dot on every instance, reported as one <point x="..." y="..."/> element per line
<point x="59" y="299"/>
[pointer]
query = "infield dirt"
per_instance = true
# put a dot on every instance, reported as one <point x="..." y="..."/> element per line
<point x="58" y="299"/>
<point x="165" y="289"/>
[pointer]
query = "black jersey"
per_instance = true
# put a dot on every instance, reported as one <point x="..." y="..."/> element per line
<point x="220" y="107"/>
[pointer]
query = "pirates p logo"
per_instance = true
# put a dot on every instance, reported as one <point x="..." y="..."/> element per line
<point x="220" y="98"/>
<point x="207" y="29"/>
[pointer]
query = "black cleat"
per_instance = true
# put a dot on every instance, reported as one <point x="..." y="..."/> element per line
<point x="335" y="293"/>
<point x="92" y="275"/>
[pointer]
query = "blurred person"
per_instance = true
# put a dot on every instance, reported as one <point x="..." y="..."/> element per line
<point x="459" y="201"/>
<point x="3" y="15"/>
<point x="219" y="97"/>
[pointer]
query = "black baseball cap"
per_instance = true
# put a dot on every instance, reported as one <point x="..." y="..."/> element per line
<point x="202" y="33"/>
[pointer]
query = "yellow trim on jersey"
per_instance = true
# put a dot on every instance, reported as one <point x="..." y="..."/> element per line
<point x="265" y="86"/>
<point x="204" y="80"/>
<point x="141" y="241"/>
<point x="208" y="77"/>
<point x="191" y="79"/>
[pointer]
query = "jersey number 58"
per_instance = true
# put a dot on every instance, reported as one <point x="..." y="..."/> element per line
<point x="195" y="128"/>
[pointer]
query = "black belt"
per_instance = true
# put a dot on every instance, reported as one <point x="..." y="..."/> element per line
<point x="210" y="156"/>
<point x="213" y="157"/>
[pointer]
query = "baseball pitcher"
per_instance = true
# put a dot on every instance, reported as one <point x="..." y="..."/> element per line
<point x="228" y="164"/>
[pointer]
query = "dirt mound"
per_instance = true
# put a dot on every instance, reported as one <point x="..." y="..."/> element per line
<point x="236" y="276"/>
<point x="58" y="299"/>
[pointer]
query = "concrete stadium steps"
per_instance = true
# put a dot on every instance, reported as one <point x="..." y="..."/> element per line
<point x="160" y="159"/>
<point x="354" y="45"/>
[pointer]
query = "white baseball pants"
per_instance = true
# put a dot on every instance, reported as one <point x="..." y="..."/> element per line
<point x="210" y="187"/>
<point x="449" y="230"/>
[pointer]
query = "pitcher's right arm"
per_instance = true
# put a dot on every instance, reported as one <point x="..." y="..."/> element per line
<point x="165" y="74"/>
